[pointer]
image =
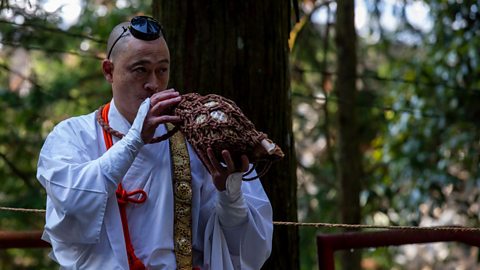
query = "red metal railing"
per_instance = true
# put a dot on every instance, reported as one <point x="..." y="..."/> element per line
<point x="327" y="244"/>
<point x="26" y="239"/>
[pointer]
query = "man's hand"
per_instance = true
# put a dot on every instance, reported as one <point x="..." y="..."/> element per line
<point x="220" y="172"/>
<point x="161" y="105"/>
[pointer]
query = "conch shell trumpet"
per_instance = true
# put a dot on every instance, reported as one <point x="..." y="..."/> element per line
<point x="213" y="121"/>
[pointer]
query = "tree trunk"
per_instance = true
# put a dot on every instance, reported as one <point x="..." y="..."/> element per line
<point x="349" y="158"/>
<point x="239" y="49"/>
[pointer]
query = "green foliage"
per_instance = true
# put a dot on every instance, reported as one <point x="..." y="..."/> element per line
<point x="418" y="105"/>
<point x="63" y="79"/>
<point x="436" y="146"/>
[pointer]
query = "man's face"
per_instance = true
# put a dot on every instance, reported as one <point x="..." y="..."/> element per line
<point x="140" y="69"/>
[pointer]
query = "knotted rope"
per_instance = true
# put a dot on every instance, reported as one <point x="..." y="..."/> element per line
<point x="213" y="121"/>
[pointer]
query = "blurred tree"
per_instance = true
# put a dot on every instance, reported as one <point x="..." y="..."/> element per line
<point x="416" y="100"/>
<point x="239" y="49"/>
<point x="349" y="159"/>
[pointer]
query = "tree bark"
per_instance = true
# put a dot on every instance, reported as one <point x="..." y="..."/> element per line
<point x="239" y="49"/>
<point x="349" y="158"/>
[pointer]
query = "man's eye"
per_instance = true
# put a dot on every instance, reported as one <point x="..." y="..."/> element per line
<point x="140" y="70"/>
<point x="162" y="70"/>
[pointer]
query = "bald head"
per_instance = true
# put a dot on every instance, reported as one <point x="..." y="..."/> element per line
<point x="118" y="32"/>
<point x="120" y="36"/>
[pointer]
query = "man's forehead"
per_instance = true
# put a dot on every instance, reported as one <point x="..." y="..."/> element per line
<point x="152" y="51"/>
<point x="139" y="46"/>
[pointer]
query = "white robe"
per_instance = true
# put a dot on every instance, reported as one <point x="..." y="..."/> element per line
<point x="83" y="221"/>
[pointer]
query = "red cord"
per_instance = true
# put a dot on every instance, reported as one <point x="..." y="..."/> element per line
<point x="123" y="198"/>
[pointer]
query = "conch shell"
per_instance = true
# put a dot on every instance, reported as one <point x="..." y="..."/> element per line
<point x="217" y="122"/>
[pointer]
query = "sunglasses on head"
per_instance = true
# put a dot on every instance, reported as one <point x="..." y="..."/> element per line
<point x="141" y="27"/>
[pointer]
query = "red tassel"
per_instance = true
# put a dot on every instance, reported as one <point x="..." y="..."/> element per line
<point x="137" y="265"/>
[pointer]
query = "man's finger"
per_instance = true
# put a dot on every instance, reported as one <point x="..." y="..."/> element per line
<point x="228" y="161"/>
<point x="245" y="163"/>
<point x="206" y="162"/>
<point x="163" y="95"/>
<point x="162" y="119"/>
<point x="161" y="106"/>
<point x="217" y="166"/>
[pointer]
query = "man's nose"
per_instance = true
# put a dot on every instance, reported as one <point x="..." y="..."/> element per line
<point x="152" y="84"/>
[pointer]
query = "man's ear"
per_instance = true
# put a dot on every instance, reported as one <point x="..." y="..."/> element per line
<point x="107" y="69"/>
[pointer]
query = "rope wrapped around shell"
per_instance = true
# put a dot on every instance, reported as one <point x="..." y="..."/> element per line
<point x="213" y="121"/>
<point x="217" y="122"/>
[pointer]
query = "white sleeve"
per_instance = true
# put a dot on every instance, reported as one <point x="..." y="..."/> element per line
<point x="79" y="186"/>
<point x="231" y="208"/>
<point x="239" y="235"/>
<point x="118" y="159"/>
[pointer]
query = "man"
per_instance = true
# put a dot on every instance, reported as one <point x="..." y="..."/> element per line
<point x="112" y="200"/>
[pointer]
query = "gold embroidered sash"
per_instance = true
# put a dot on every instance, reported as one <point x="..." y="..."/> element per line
<point x="182" y="185"/>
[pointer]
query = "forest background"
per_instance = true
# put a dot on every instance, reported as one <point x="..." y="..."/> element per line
<point x="417" y="109"/>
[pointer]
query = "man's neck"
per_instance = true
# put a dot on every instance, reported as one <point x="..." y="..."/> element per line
<point x="129" y="116"/>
